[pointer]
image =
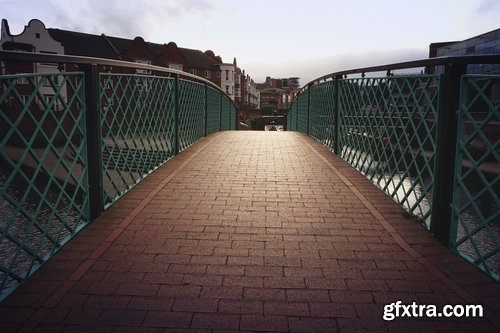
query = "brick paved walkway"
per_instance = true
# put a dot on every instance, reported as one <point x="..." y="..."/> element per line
<point x="250" y="231"/>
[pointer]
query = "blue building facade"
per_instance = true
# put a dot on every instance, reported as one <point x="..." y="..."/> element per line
<point x="484" y="44"/>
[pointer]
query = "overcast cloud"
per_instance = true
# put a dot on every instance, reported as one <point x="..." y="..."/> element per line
<point x="280" y="38"/>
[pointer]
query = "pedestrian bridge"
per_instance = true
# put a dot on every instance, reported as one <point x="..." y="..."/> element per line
<point x="164" y="218"/>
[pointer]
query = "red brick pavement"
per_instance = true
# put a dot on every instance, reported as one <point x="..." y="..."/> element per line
<point x="250" y="231"/>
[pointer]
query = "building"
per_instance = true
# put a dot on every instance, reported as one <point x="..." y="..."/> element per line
<point x="252" y="94"/>
<point x="484" y="44"/>
<point x="37" y="38"/>
<point x="34" y="38"/>
<point x="227" y="79"/>
<point x="276" y="95"/>
<point x="246" y="95"/>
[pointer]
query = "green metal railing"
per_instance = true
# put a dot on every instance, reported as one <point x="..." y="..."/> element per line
<point x="43" y="170"/>
<point x="191" y="113"/>
<point x="137" y="128"/>
<point x="388" y="133"/>
<point x="75" y="141"/>
<point x="400" y="131"/>
<point x="322" y="99"/>
<point x="476" y="205"/>
<point x="214" y="105"/>
<point x="302" y="118"/>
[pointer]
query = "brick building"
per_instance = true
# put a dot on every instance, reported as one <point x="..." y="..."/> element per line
<point x="246" y="94"/>
<point x="37" y="38"/>
<point x="277" y="94"/>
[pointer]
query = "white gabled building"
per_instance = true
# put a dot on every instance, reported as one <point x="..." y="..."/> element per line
<point x="34" y="38"/>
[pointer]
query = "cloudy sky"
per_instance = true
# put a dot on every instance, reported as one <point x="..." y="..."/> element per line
<point x="279" y="38"/>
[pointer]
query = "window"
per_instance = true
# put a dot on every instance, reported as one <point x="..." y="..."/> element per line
<point x="108" y="84"/>
<point x="227" y="75"/>
<point x="52" y="81"/>
<point x="37" y="35"/>
<point x="227" y="90"/>
<point x="218" y="74"/>
<point x="143" y="61"/>
<point x="142" y="85"/>
<point x="22" y="80"/>
<point x="48" y="100"/>
<point x="24" y="99"/>
<point x="108" y="104"/>
<point x="208" y="74"/>
<point x="192" y="71"/>
<point x="175" y="66"/>
<point x="49" y="63"/>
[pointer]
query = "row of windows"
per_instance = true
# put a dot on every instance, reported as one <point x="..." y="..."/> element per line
<point x="490" y="46"/>
<point x="24" y="99"/>
<point x="472" y="50"/>
<point x="486" y="44"/>
<point x="45" y="81"/>
<point x="208" y="73"/>
<point x="175" y="66"/>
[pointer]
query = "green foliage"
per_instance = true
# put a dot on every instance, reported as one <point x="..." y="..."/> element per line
<point x="257" y="124"/>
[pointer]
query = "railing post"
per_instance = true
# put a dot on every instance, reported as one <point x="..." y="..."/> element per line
<point x="176" y="114"/>
<point x="445" y="151"/>
<point x="94" y="137"/>
<point x="336" y="116"/>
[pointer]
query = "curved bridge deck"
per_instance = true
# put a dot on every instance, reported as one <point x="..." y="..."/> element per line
<point x="251" y="231"/>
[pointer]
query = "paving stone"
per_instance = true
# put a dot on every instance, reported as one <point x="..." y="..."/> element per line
<point x="256" y="231"/>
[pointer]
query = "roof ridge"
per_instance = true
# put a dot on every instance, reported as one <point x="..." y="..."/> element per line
<point x="111" y="45"/>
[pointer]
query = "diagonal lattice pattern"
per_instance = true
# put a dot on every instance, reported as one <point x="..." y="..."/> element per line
<point x="191" y="113"/>
<point x="388" y="132"/>
<point x="226" y="114"/>
<point x="321" y="117"/>
<point x="291" y="117"/>
<point x="44" y="173"/>
<point x="233" y="113"/>
<point x="476" y="205"/>
<point x="43" y="170"/>
<point x="213" y="110"/>
<point x="302" y="114"/>
<point x="137" y="124"/>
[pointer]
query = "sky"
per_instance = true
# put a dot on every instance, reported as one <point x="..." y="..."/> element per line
<point x="277" y="38"/>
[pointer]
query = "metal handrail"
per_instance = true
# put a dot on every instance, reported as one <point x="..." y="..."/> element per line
<point x="82" y="60"/>
<point x="438" y="61"/>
